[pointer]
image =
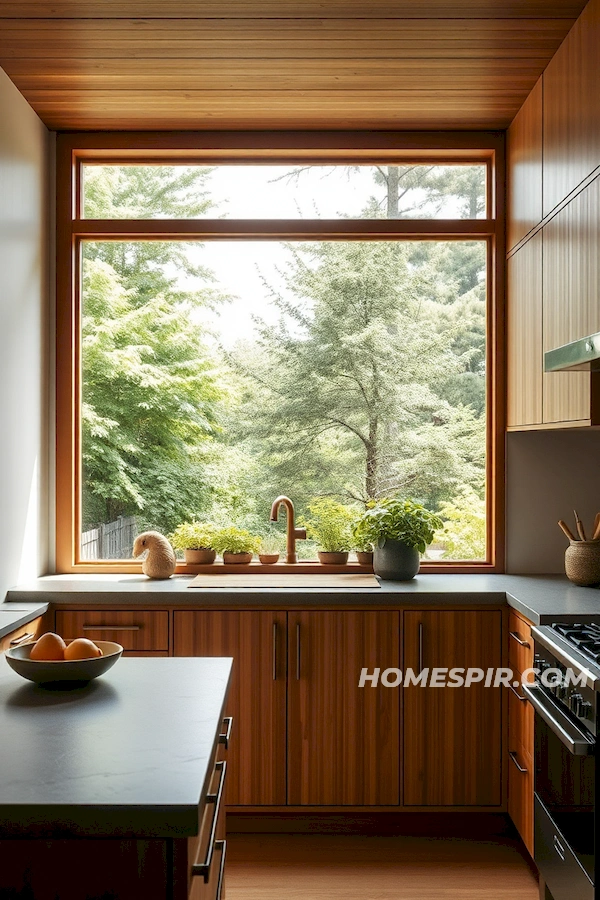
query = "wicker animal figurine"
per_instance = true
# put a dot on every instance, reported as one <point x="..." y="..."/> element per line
<point x="160" y="562"/>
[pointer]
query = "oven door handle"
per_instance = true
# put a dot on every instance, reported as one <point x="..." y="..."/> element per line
<point x="575" y="740"/>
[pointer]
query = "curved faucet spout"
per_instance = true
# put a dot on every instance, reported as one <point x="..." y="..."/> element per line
<point x="292" y="533"/>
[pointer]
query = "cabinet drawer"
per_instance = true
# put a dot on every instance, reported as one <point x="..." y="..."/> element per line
<point x="520" y="795"/>
<point x="134" y="630"/>
<point x="21" y="635"/>
<point x="520" y="644"/>
<point x="520" y="723"/>
<point x="209" y="845"/>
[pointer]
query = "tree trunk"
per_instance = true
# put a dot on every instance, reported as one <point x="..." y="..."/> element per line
<point x="372" y="461"/>
<point x="393" y="185"/>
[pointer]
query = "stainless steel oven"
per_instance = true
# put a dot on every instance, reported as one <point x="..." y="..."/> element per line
<point x="564" y="699"/>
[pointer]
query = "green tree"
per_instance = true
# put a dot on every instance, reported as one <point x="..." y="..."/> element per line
<point x="149" y="404"/>
<point x="151" y="391"/>
<point x="345" y="377"/>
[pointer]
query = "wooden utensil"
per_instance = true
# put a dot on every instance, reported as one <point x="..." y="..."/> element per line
<point x="580" y="528"/>
<point x="563" y="525"/>
<point x="596" y="534"/>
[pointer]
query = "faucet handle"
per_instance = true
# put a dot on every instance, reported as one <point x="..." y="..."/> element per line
<point x="300" y="534"/>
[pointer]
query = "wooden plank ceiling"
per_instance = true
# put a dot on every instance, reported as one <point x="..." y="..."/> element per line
<point x="278" y="64"/>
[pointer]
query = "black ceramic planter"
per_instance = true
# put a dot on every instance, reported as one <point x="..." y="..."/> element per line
<point x="395" y="561"/>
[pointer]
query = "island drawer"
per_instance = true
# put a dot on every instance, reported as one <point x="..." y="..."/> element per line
<point x="207" y="850"/>
<point x="133" y="629"/>
<point x="22" y="635"/>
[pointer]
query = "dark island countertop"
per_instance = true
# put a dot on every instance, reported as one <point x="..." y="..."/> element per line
<point x="130" y="754"/>
<point x="541" y="598"/>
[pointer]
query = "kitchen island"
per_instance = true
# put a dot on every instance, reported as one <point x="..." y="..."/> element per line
<point x="112" y="789"/>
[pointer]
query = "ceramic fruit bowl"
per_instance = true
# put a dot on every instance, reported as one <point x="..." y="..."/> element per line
<point x="59" y="671"/>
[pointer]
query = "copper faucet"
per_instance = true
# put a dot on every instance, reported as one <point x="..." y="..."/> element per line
<point x="292" y="533"/>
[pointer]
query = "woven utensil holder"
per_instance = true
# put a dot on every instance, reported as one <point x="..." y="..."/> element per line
<point x="582" y="562"/>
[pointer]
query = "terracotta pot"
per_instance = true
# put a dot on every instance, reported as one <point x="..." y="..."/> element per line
<point x="365" y="557"/>
<point x="237" y="559"/>
<point x="582" y="562"/>
<point x="201" y="557"/>
<point x="331" y="558"/>
<point x="268" y="559"/>
<point x="396" y="561"/>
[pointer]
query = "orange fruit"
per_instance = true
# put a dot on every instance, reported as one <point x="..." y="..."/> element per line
<point x="49" y="646"/>
<point x="82" y="648"/>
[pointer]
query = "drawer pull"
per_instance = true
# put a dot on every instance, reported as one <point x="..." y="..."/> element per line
<point x="204" y="867"/>
<point x="519" y="640"/>
<point x="222" y="846"/>
<point x="517" y="694"/>
<point x="298" y="652"/>
<point x="559" y="848"/>
<point x="22" y="639"/>
<point x="225" y="736"/>
<point x="274" y="651"/>
<point x="111" y="627"/>
<point x="513" y="756"/>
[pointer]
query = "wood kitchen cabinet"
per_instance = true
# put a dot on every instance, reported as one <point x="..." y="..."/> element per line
<point x="571" y="309"/>
<point x="525" y="362"/>
<point x="257" y="641"/>
<point x="520" y="731"/>
<point x="452" y="736"/>
<point x="22" y="635"/>
<point x="343" y="740"/>
<point x="524" y="157"/>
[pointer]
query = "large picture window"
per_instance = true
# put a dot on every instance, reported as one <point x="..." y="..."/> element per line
<point x="244" y="330"/>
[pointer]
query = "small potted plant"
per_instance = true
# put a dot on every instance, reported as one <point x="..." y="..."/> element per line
<point x="195" y="540"/>
<point x="236" y="545"/>
<point x="399" y="531"/>
<point x="269" y="550"/>
<point x="330" y="525"/>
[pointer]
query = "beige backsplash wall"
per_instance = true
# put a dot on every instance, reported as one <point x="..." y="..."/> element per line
<point x="26" y="149"/>
<point x="548" y="474"/>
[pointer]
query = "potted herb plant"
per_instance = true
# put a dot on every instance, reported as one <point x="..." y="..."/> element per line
<point x="330" y="525"/>
<point x="195" y="540"/>
<point x="270" y="549"/>
<point x="236" y="545"/>
<point x="399" y="531"/>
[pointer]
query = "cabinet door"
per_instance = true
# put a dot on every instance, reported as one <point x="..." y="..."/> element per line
<point x="257" y="701"/>
<point x="571" y="308"/>
<point x="343" y="740"/>
<point x="524" y="335"/>
<point x="524" y="164"/>
<point x="452" y="735"/>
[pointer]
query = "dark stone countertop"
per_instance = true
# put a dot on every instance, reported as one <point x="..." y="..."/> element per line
<point x="541" y="598"/>
<point x="129" y="754"/>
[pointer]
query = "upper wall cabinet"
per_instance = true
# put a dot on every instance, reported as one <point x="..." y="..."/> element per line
<point x="525" y="168"/>
<point x="572" y="109"/>
<point x="524" y="335"/>
<point x="571" y="307"/>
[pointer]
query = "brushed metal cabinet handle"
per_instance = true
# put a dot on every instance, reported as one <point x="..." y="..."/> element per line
<point x="420" y="646"/>
<point x="274" y="651"/>
<point x="225" y="736"/>
<point x="222" y="846"/>
<point x="21" y="639"/>
<point x="513" y="756"/>
<point x="203" y="868"/>
<point x="559" y="848"/>
<point x="517" y="694"/>
<point x="111" y="627"/>
<point x="519" y="640"/>
<point x="298" y="651"/>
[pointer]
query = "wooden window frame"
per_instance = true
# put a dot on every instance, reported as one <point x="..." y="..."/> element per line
<point x="74" y="149"/>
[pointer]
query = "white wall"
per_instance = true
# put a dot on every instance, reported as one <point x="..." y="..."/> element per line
<point x="548" y="474"/>
<point x="25" y="164"/>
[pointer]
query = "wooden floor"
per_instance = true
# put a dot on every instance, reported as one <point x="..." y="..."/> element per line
<point x="322" y="867"/>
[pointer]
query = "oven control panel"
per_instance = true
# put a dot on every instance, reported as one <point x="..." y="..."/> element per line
<point x="566" y="687"/>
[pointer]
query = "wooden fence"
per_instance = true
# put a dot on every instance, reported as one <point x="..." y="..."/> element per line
<point x="111" y="541"/>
